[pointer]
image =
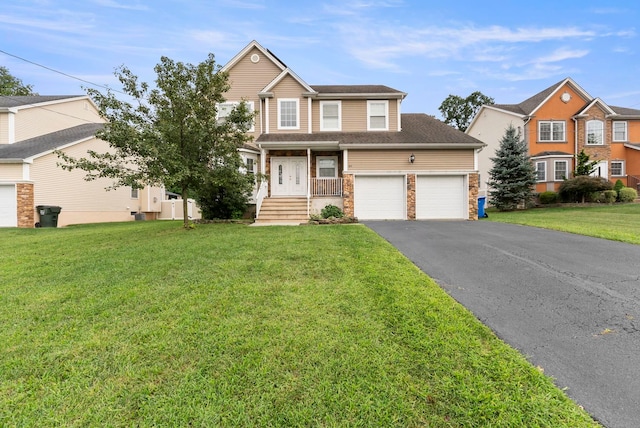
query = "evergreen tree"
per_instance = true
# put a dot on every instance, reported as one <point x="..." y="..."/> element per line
<point x="513" y="176"/>
<point x="583" y="166"/>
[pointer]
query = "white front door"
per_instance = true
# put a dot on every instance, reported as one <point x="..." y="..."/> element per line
<point x="601" y="170"/>
<point x="289" y="176"/>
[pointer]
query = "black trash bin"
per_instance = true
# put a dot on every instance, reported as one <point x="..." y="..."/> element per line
<point x="48" y="215"/>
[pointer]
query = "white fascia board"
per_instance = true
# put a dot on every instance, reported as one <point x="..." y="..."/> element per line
<point x="402" y="146"/>
<point x="286" y="72"/>
<point x="551" y="156"/>
<point x="575" y="87"/>
<point x="299" y="145"/>
<point x="39" y="155"/>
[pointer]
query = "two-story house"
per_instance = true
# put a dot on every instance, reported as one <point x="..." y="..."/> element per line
<point x="31" y="128"/>
<point x="557" y="124"/>
<point x="347" y="145"/>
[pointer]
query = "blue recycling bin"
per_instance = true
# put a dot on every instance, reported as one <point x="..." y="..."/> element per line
<point x="481" y="202"/>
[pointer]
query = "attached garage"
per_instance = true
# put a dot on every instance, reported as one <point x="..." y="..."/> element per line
<point x="8" y="205"/>
<point x="380" y="197"/>
<point x="441" y="197"/>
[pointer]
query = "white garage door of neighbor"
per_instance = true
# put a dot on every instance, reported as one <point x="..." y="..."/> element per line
<point x="8" y="206"/>
<point x="379" y="197"/>
<point x="441" y="197"/>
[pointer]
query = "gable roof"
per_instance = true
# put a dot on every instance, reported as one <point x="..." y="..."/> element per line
<point x="253" y="44"/>
<point x="529" y="106"/>
<point x="10" y="101"/>
<point x="286" y="72"/>
<point x="418" y="130"/>
<point x="34" y="146"/>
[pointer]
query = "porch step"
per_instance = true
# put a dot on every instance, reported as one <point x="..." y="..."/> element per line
<point x="283" y="210"/>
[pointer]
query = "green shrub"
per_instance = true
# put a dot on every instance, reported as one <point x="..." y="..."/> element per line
<point x="619" y="185"/>
<point x="331" y="211"/>
<point x="548" y="197"/>
<point x="580" y="188"/>
<point x="609" y="196"/>
<point x="628" y="194"/>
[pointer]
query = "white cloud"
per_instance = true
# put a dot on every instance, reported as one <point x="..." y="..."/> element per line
<point x="118" y="5"/>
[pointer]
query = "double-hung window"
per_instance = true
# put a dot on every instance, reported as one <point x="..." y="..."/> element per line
<point x="541" y="171"/>
<point x="327" y="167"/>
<point x="595" y="132"/>
<point x="330" y="115"/>
<point x="378" y="115"/>
<point x="617" y="168"/>
<point x="288" y="113"/>
<point x="619" y="131"/>
<point x="560" y="170"/>
<point x="551" y="131"/>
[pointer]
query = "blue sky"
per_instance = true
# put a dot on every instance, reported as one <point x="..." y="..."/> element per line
<point x="508" y="50"/>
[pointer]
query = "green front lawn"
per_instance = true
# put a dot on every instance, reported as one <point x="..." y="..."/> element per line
<point x="146" y="324"/>
<point x="620" y="222"/>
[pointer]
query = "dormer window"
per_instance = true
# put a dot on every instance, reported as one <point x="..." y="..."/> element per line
<point x="595" y="132"/>
<point x="378" y="115"/>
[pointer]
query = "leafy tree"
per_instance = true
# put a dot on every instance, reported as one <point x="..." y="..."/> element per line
<point x="583" y="166"/>
<point x="10" y="85"/>
<point x="458" y="112"/>
<point x="513" y="176"/>
<point x="169" y="135"/>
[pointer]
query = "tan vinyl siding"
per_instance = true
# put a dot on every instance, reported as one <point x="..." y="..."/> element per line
<point x="288" y="88"/>
<point x="354" y="115"/>
<point x="40" y="120"/>
<point x="69" y="190"/>
<point x="247" y="79"/>
<point x="11" y="171"/>
<point x="398" y="160"/>
<point x="4" y="128"/>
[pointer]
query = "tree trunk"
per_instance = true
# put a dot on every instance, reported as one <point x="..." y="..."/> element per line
<point x="185" y="207"/>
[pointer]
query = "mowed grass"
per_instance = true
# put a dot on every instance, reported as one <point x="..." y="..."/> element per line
<point x="147" y="324"/>
<point x="619" y="222"/>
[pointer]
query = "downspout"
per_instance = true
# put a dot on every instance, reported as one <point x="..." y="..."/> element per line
<point x="308" y="182"/>
<point x="575" y="142"/>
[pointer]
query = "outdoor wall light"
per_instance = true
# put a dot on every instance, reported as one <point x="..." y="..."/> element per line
<point x="412" y="158"/>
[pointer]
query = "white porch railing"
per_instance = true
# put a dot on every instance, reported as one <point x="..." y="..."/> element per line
<point x="262" y="193"/>
<point x="326" y="187"/>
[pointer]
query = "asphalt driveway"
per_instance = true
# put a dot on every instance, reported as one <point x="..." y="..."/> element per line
<point x="569" y="303"/>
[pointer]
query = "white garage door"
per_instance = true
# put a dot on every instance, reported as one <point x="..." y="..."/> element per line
<point x="441" y="197"/>
<point x="379" y="197"/>
<point x="8" y="206"/>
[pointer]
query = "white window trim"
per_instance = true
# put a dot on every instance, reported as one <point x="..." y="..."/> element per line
<point x="551" y="140"/>
<point x="544" y="163"/>
<point x="566" y="170"/>
<point x="386" y="115"/>
<point x="297" y="101"/>
<point x="318" y="159"/>
<point x="234" y="104"/>
<point x="626" y="130"/>
<point x="586" y="128"/>
<point x="322" y="125"/>
<point x="622" y="168"/>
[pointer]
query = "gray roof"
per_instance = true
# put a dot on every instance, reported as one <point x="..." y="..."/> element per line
<point x="27" y="148"/>
<point x="23" y="100"/>
<point x="551" y="153"/>
<point x="355" y="89"/>
<point x="417" y="128"/>
<point x="623" y="111"/>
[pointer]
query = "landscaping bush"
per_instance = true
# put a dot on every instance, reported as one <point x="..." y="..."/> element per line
<point x="331" y="211"/>
<point x="579" y="189"/>
<point x="628" y="194"/>
<point x="609" y="196"/>
<point x="619" y="185"/>
<point x="548" y="197"/>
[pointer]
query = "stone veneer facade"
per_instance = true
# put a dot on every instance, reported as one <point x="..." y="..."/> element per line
<point x="26" y="210"/>
<point x="595" y="152"/>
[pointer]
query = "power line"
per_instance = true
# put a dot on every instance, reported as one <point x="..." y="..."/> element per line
<point x="62" y="73"/>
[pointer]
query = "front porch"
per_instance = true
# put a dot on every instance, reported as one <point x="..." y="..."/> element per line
<point x="299" y="183"/>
